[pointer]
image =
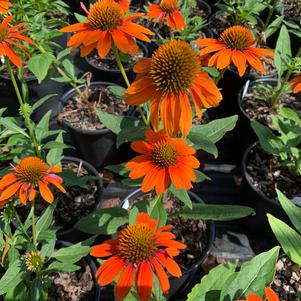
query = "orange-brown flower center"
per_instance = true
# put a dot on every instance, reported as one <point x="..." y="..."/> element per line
<point x="174" y="66"/>
<point x="137" y="242"/>
<point x="169" y="6"/>
<point x="164" y="155"/>
<point x="237" y="37"/>
<point x="31" y="170"/>
<point x="4" y="32"/>
<point x="105" y="15"/>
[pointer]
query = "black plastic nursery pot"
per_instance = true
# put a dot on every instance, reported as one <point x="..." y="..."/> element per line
<point x="36" y="91"/>
<point x="113" y="74"/>
<point x="179" y="284"/>
<point x="98" y="147"/>
<point x="88" y="260"/>
<point x="243" y="133"/>
<point x="253" y="197"/>
<point x="73" y="235"/>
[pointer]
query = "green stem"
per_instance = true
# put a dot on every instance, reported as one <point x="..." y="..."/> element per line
<point x="125" y="77"/>
<point x="34" y="231"/>
<point x="220" y="76"/>
<point x="271" y="11"/>
<point x="23" y="109"/>
<point x="275" y="99"/>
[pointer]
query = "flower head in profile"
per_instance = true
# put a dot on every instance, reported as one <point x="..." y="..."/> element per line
<point x="296" y="83"/>
<point x="107" y="26"/>
<point x="30" y="174"/>
<point x="235" y="45"/>
<point x="9" y="37"/>
<point x="140" y="251"/>
<point x="169" y="9"/>
<point x="4" y="6"/>
<point x="163" y="160"/>
<point x="168" y="79"/>
<point x="269" y="293"/>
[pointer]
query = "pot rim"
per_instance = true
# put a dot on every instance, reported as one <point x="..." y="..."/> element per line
<point x="251" y="84"/>
<point x="211" y="226"/>
<point x="206" y="6"/>
<point x="247" y="176"/>
<point x="91" y="262"/>
<point x="66" y="97"/>
<point x="99" y="184"/>
<point x="117" y="71"/>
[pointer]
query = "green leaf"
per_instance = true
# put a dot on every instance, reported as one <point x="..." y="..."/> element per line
<point x="71" y="254"/>
<point x="12" y="277"/>
<point x="211" y="285"/>
<point x="182" y="195"/>
<point x="212" y="71"/>
<point x="45" y="220"/>
<point x="116" y="123"/>
<point x="17" y="293"/>
<point x="54" y="156"/>
<point x="157" y="211"/>
<point x="41" y="101"/>
<point x="130" y="134"/>
<point x="71" y="179"/>
<point x="216" y="212"/>
<point x="268" y="140"/>
<point x="273" y="27"/>
<point x="39" y="65"/>
<point x="216" y="129"/>
<point x="253" y="276"/>
<point x="36" y="289"/>
<point x="289" y="239"/>
<point x="63" y="267"/>
<point x="48" y="248"/>
<point x="200" y="177"/>
<point x="42" y="126"/>
<point x="293" y="211"/>
<point x="283" y="51"/>
<point x="80" y="18"/>
<point x="119" y="169"/>
<point x="201" y="141"/>
<point x="103" y="221"/>
<point x="117" y="90"/>
<point x="8" y="123"/>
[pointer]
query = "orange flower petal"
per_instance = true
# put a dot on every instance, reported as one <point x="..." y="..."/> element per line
<point x="125" y="282"/>
<point x="186" y="114"/>
<point x="104" y="44"/>
<point x="109" y="270"/>
<point x="144" y="281"/>
<point x="270" y="294"/>
<point x="171" y="266"/>
<point x="162" y="277"/>
<point x="45" y="192"/>
<point x="144" y="218"/>
<point x="7" y="180"/>
<point x="9" y="191"/>
<point x="142" y="66"/>
<point x="12" y="56"/>
<point x="107" y="248"/>
<point x="239" y="61"/>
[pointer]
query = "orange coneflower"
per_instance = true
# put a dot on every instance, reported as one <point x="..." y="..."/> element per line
<point x="8" y="38"/>
<point x="140" y="251"/>
<point x="236" y="44"/>
<point x="107" y="24"/>
<point x="169" y="9"/>
<point x="167" y="79"/>
<point x="30" y="174"/>
<point x="4" y="6"/>
<point x="270" y="295"/>
<point x="296" y="83"/>
<point x="163" y="160"/>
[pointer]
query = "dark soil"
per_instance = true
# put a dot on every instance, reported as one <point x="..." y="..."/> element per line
<point x="291" y="8"/>
<point x="259" y="109"/>
<point x="222" y="20"/>
<point x="83" y="116"/>
<point x="27" y="75"/>
<point x="266" y="173"/>
<point x="287" y="282"/>
<point x="109" y="63"/>
<point x="193" y="233"/>
<point x="72" y="206"/>
<point x="72" y="286"/>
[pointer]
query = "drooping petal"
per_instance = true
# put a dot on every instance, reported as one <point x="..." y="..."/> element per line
<point x="162" y="277"/>
<point x="107" y="248"/>
<point x="45" y="192"/>
<point x="171" y="266"/>
<point x="125" y="282"/>
<point x="144" y="281"/>
<point x="9" y="191"/>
